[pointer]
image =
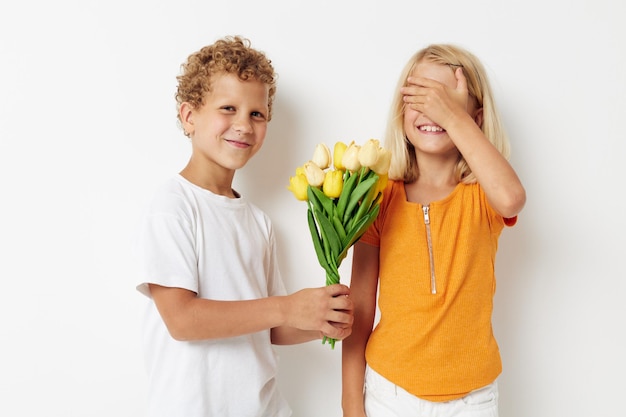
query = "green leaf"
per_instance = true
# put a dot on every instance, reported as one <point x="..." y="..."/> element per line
<point x="365" y="206"/>
<point x="348" y="187"/>
<point x="317" y="243"/>
<point x="332" y="275"/>
<point x="318" y="198"/>
<point x="338" y="226"/>
<point x="328" y="233"/>
<point x="358" y="193"/>
<point x="326" y="245"/>
<point x="358" y="230"/>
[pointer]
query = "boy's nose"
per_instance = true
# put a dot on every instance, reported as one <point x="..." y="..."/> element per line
<point x="242" y="125"/>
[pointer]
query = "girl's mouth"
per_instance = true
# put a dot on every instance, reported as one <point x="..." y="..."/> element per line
<point x="430" y="128"/>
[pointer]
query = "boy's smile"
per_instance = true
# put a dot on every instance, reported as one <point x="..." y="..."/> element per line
<point x="227" y="130"/>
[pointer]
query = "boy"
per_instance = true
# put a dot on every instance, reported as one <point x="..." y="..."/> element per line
<point x="216" y="302"/>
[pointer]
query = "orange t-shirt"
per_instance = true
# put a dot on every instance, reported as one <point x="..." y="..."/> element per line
<point x="438" y="346"/>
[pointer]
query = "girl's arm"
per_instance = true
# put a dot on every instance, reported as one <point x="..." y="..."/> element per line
<point x="496" y="176"/>
<point x="451" y="110"/>
<point x="325" y="310"/>
<point x="363" y="288"/>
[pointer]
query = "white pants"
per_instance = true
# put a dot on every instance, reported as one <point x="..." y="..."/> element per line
<point x="385" y="399"/>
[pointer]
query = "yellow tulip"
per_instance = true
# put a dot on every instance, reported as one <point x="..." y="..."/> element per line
<point x="314" y="174"/>
<point x="384" y="161"/>
<point x="298" y="185"/>
<point x="368" y="154"/>
<point x="333" y="183"/>
<point x="321" y="156"/>
<point x="383" y="179"/>
<point x="350" y="159"/>
<point x="338" y="152"/>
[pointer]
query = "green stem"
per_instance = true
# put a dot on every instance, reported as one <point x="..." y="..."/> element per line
<point x="332" y="277"/>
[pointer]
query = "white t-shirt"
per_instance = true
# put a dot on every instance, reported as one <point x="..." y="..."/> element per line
<point x="222" y="249"/>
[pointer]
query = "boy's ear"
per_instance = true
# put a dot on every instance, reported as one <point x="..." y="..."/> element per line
<point x="186" y="117"/>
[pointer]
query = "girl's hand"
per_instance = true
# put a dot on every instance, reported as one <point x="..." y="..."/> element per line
<point x="437" y="101"/>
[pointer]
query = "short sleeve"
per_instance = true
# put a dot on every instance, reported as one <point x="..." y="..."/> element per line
<point x="510" y="221"/>
<point x="167" y="254"/>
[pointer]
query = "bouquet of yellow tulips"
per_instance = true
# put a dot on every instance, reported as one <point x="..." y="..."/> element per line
<point x="343" y="193"/>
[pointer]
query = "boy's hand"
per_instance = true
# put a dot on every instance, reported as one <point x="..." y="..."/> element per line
<point x="327" y="310"/>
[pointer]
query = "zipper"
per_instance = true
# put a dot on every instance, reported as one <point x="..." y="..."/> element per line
<point x="433" y="285"/>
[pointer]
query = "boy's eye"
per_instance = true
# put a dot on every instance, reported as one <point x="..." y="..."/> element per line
<point x="257" y="114"/>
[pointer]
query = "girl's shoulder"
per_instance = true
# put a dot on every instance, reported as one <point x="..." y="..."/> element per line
<point x="394" y="186"/>
<point x="394" y="189"/>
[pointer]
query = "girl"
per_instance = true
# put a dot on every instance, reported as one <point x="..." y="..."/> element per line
<point x="430" y="255"/>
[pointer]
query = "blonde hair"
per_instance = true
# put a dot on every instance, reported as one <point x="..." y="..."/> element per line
<point x="230" y="55"/>
<point x="403" y="163"/>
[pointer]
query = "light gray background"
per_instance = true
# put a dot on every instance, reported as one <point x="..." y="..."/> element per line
<point x="88" y="130"/>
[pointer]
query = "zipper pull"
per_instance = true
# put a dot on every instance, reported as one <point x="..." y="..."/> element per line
<point x="431" y="258"/>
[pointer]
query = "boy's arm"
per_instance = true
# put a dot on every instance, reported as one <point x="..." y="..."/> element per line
<point x="285" y="335"/>
<point x="189" y="317"/>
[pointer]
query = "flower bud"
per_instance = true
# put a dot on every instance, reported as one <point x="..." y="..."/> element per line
<point x="314" y="174"/>
<point x="384" y="161"/>
<point x="350" y="158"/>
<point x="333" y="183"/>
<point x="338" y="152"/>
<point x="298" y="185"/>
<point x="368" y="154"/>
<point x="321" y="156"/>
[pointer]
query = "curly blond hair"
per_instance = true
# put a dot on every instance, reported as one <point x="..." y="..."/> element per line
<point x="229" y="55"/>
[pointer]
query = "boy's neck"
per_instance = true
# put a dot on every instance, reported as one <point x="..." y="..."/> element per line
<point x="217" y="184"/>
